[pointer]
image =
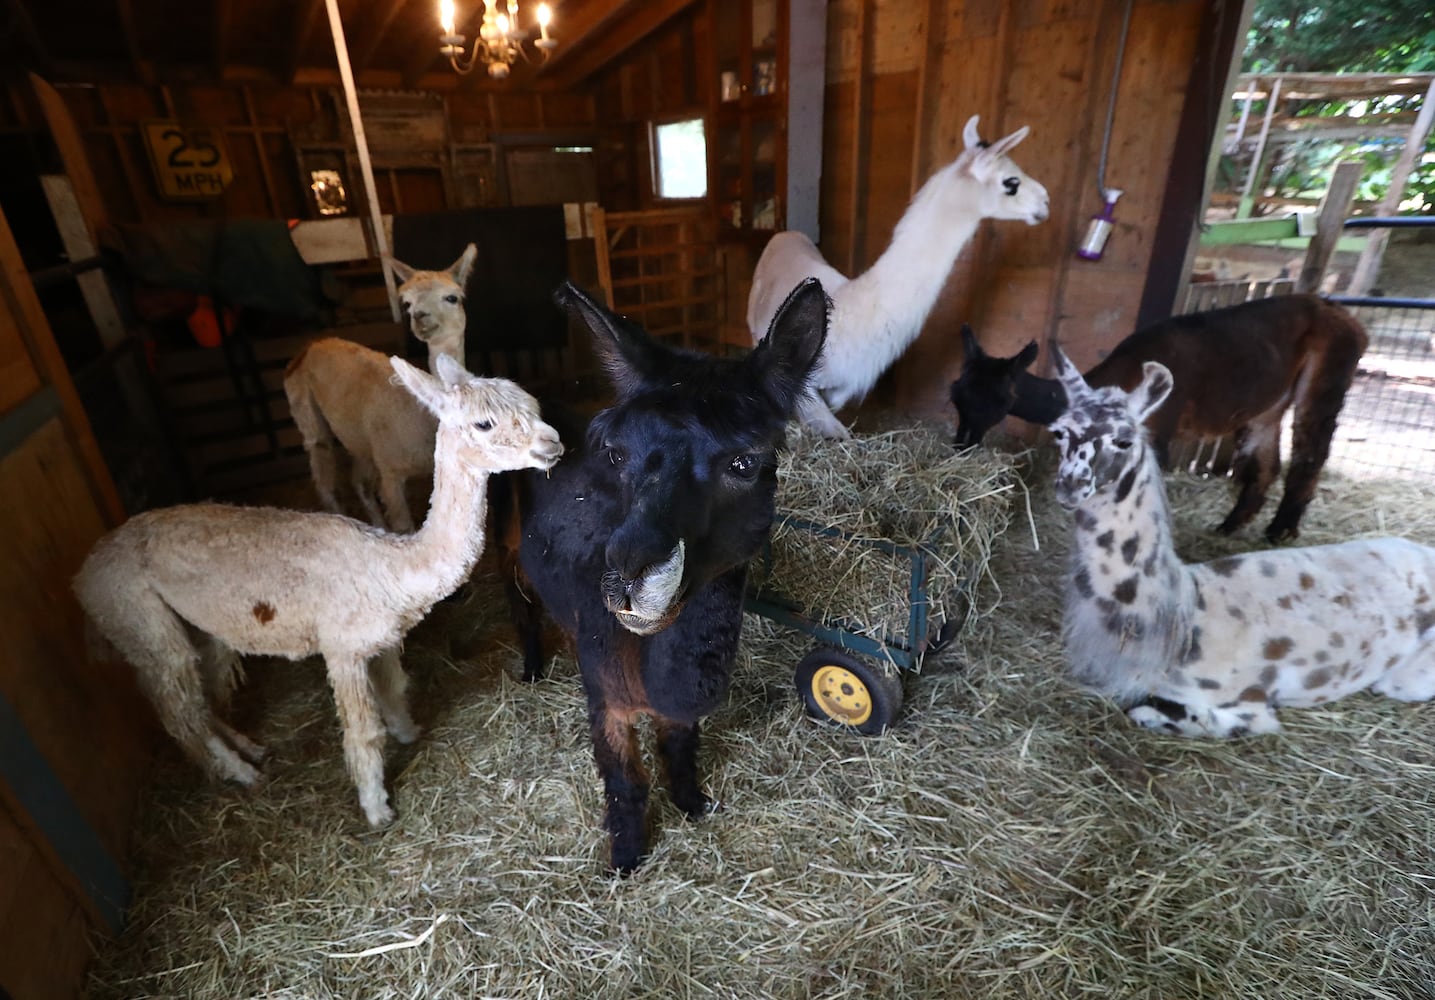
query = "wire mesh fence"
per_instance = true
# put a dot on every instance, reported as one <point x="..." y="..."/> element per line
<point x="1387" y="426"/>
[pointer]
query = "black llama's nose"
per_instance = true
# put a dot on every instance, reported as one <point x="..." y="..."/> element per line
<point x="633" y="548"/>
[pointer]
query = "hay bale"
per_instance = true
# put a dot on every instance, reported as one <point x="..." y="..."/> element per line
<point x="904" y="487"/>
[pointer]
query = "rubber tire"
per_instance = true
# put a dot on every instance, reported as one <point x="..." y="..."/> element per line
<point x="828" y="676"/>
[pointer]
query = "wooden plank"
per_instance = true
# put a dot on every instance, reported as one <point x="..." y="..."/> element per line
<point x="1368" y="265"/>
<point x="856" y="194"/>
<point x="44" y="928"/>
<point x="71" y="147"/>
<point x="1335" y="208"/>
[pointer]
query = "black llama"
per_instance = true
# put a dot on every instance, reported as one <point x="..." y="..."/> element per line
<point x="638" y="541"/>
<point x="1237" y="371"/>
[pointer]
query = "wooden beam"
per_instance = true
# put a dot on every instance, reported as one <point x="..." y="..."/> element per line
<point x="861" y="130"/>
<point x="306" y="19"/>
<point x="575" y="61"/>
<point x="579" y="28"/>
<point x="25" y="26"/>
<point x="1369" y="263"/>
<point x="929" y="54"/>
<point x="1334" y="208"/>
<point x="143" y="69"/>
<point x="366" y="50"/>
<point x="223" y="16"/>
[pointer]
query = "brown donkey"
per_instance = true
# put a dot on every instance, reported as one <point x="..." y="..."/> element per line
<point x="1236" y="370"/>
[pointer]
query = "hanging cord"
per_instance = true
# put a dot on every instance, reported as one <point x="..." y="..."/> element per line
<point x="1111" y="104"/>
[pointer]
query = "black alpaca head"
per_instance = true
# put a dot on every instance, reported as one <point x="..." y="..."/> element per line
<point x="690" y="446"/>
<point x="986" y="390"/>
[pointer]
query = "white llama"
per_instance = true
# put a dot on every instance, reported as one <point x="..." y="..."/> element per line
<point x="877" y="315"/>
<point x="181" y="592"/>
<point x="1213" y="649"/>
<point x="341" y="393"/>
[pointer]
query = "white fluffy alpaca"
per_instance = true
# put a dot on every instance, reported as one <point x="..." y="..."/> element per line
<point x="877" y="315"/>
<point x="181" y="591"/>
<point x="340" y="393"/>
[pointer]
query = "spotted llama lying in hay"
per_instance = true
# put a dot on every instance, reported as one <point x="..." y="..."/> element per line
<point x="294" y="583"/>
<point x="1214" y="649"/>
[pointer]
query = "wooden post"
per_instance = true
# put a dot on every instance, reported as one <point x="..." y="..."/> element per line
<point x="1334" y="209"/>
<point x="1243" y="211"/>
<point x="376" y="217"/>
<point x="1369" y="264"/>
<point x="860" y="132"/>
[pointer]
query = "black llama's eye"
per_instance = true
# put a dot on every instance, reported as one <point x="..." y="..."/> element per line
<point x="1123" y="444"/>
<point x="1011" y="184"/>
<point x="484" y="425"/>
<point x="1058" y="435"/>
<point x="616" y="455"/>
<point x="451" y="299"/>
<point x="745" y="466"/>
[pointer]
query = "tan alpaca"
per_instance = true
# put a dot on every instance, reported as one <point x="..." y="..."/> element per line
<point x="290" y="583"/>
<point x="341" y="393"/>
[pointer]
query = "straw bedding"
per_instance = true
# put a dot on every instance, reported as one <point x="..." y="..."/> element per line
<point x="1011" y="837"/>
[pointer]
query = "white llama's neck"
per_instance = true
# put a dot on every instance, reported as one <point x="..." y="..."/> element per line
<point x="896" y="294"/>
<point x="440" y="555"/>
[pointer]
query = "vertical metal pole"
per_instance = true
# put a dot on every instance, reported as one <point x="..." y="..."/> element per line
<point x="376" y="218"/>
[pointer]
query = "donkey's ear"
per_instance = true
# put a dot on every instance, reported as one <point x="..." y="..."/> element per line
<point x="785" y="358"/>
<point x="626" y="350"/>
<point x="1156" y="385"/>
<point x="401" y="270"/>
<point x="1026" y="356"/>
<point x="427" y="389"/>
<point x="463" y="267"/>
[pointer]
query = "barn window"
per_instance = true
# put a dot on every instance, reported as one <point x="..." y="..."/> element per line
<point x="680" y="159"/>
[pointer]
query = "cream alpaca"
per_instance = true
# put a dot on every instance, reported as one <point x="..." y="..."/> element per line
<point x="341" y="393"/>
<point x="289" y="583"/>
<point x="877" y="315"/>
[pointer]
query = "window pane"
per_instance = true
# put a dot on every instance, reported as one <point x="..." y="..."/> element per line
<point x="682" y="159"/>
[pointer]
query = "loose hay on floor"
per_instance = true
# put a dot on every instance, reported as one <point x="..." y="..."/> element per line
<point x="1010" y="838"/>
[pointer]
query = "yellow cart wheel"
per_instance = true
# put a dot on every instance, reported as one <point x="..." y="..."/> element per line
<point x="839" y="688"/>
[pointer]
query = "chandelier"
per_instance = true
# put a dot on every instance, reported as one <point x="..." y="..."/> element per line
<point x="500" y="41"/>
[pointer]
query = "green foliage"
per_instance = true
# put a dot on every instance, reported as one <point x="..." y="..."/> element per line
<point x="1354" y="36"/>
<point x="1350" y="36"/>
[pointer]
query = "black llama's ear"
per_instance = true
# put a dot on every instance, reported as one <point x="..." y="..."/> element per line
<point x="785" y="358"/>
<point x="625" y="348"/>
<point x="1026" y="356"/>
<point x="970" y="347"/>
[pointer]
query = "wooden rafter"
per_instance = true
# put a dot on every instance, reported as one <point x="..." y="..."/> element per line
<point x="587" y="42"/>
<point x="306" y="20"/>
<point x="223" y="18"/>
<point x="143" y="70"/>
<point x="24" y="25"/>
<point x="365" y="51"/>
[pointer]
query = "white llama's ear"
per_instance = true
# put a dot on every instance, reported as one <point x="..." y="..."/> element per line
<point x="401" y="270"/>
<point x="970" y="136"/>
<point x="463" y="267"/>
<point x="426" y="389"/>
<point x="1007" y="143"/>
<point x="1156" y="384"/>
<point x="450" y="372"/>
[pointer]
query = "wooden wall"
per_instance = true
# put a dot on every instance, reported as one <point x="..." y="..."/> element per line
<point x="921" y="69"/>
<point x="266" y="128"/>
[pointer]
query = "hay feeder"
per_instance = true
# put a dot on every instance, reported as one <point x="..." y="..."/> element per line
<point x="876" y="551"/>
<point x="836" y="681"/>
